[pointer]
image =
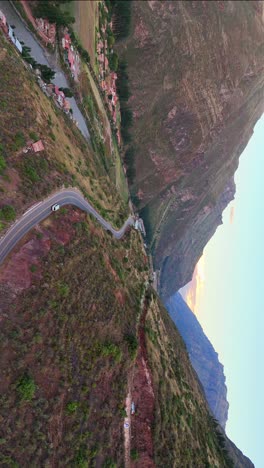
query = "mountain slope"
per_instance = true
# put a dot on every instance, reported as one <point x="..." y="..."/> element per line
<point x="203" y="356"/>
<point x="196" y="74"/>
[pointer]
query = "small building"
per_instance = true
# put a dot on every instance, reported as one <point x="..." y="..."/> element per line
<point x="66" y="105"/>
<point x="37" y="146"/>
<point x="2" y="18"/>
<point x="66" y="41"/>
<point x="71" y="58"/>
<point x="139" y="226"/>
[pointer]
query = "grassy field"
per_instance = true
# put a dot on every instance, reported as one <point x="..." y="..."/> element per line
<point x="69" y="160"/>
<point x="102" y="133"/>
<point x="86" y="20"/>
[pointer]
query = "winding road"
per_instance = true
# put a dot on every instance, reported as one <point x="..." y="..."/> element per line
<point x="42" y="210"/>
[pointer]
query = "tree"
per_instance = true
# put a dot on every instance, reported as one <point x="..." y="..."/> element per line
<point x="67" y="91"/>
<point x="46" y="73"/>
<point x="51" y="11"/>
<point x="113" y="61"/>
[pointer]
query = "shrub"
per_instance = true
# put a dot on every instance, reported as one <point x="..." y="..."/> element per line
<point x="19" y="141"/>
<point x="63" y="289"/>
<point x="2" y="164"/>
<point x="132" y="344"/>
<point x="72" y="406"/>
<point x="110" y="349"/>
<point x="113" y="61"/>
<point x="53" y="13"/>
<point x="33" y="136"/>
<point x="109" y="463"/>
<point x="26" y="388"/>
<point x="30" y="172"/>
<point x="7" y="213"/>
<point x="134" y="454"/>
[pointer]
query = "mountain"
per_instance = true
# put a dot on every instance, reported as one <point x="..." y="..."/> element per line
<point x="196" y="74"/>
<point x="82" y="333"/>
<point x="203" y="356"/>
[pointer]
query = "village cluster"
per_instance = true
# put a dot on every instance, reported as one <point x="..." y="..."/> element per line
<point x="50" y="90"/>
<point x="107" y="78"/>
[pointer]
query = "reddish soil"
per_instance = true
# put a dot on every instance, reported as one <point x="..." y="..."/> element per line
<point x="120" y="297"/>
<point x="16" y="272"/>
<point x="143" y="397"/>
<point x="109" y="266"/>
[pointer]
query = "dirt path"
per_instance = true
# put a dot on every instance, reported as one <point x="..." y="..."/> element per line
<point x="127" y="429"/>
<point x="137" y="427"/>
<point x="142" y="394"/>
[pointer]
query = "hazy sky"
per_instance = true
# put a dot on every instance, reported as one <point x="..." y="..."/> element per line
<point x="229" y="300"/>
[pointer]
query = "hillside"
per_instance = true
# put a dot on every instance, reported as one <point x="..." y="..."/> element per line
<point x="67" y="160"/>
<point x="65" y="346"/>
<point x="197" y="89"/>
<point x="71" y="347"/>
<point x="202" y="355"/>
<point x="83" y="335"/>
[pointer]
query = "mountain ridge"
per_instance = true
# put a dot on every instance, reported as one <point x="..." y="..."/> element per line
<point x="203" y="357"/>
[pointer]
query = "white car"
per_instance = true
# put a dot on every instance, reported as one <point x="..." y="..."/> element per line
<point x="55" y="207"/>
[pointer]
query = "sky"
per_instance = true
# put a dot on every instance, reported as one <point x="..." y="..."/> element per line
<point x="227" y="296"/>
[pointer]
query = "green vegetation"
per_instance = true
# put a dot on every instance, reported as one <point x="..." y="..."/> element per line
<point x="67" y="333"/>
<point x="2" y="164"/>
<point x="182" y="421"/>
<point x="95" y="169"/>
<point x="33" y="136"/>
<point x="19" y="141"/>
<point x="51" y="11"/>
<point x="67" y="91"/>
<point x="7" y="213"/>
<point x="63" y="289"/>
<point x="134" y="455"/>
<point x="132" y="344"/>
<point x="121" y="14"/>
<point x="26" y="388"/>
<point x="111" y="349"/>
<point x="113" y="61"/>
<point x="72" y="406"/>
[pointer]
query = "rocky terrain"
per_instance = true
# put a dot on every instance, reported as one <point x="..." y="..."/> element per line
<point x="196" y="73"/>
<point x="203" y="356"/>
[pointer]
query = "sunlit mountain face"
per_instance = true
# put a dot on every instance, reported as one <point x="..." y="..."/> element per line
<point x="193" y="291"/>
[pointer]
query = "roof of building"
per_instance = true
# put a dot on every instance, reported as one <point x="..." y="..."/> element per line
<point x="37" y="146"/>
<point x="70" y="57"/>
<point x="66" y="105"/>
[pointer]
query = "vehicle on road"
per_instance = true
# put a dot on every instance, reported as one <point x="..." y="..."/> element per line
<point x="55" y="207"/>
<point x="133" y="408"/>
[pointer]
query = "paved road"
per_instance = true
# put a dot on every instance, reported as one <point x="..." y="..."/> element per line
<point x="42" y="210"/>
<point x="44" y="57"/>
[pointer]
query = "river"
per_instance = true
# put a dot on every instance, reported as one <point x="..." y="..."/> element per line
<point x="44" y="57"/>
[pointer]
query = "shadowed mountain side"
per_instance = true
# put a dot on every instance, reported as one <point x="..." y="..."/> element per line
<point x="203" y="356"/>
<point x="197" y="90"/>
